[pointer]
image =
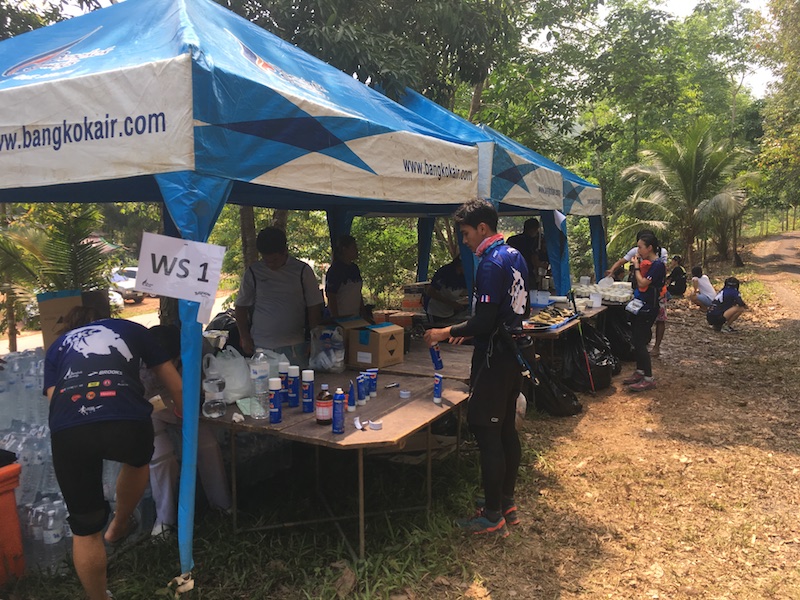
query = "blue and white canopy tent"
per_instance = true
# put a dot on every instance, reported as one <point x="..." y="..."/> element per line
<point x="185" y="103"/>
<point x="579" y="197"/>
<point x="519" y="180"/>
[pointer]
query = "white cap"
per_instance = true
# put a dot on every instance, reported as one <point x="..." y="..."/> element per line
<point x="294" y="371"/>
<point x="308" y="375"/>
<point x="274" y="383"/>
<point x="283" y="367"/>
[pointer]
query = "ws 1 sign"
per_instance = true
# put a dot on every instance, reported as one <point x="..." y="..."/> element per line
<point x="182" y="269"/>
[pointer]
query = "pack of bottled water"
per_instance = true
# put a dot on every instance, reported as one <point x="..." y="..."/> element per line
<point x="24" y="430"/>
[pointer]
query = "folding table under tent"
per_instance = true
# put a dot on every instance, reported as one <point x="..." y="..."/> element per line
<point x="185" y="103"/>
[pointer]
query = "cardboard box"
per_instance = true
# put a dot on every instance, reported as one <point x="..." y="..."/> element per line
<point x="403" y="318"/>
<point x="54" y="306"/>
<point x="349" y="325"/>
<point x="378" y="345"/>
<point x="412" y="301"/>
<point x="381" y="316"/>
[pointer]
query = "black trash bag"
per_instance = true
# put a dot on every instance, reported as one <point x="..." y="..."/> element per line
<point x="619" y="334"/>
<point x="594" y="340"/>
<point x="226" y="321"/>
<point x="574" y="370"/>
<point x="553" y="397"/>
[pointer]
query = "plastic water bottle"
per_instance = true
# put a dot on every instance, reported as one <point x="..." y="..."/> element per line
<point x="259" y="373"/>
<point x="29" y="394"/>
<point x="214" y="395"/>
<point x="32" y="461"/>
<point x="5" y="403"/>
<point x="53" y="531"/>
<point x="338" y="411"/>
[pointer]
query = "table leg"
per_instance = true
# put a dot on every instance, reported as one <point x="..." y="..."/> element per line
<point x="234" y="486"/>
<point x="458" y="433"/>
<point x="429" y="465"/>
<point x="361" y="524"/>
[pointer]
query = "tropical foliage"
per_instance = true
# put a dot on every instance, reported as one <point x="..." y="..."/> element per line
<point x="689" y="183"/>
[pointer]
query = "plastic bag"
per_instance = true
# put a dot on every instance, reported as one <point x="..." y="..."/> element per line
<point x="634" y="306"/>
<point x="552" y="396"/>
<point x="327" y="349"/>
<point x="575" y="373"/>
<point x="234" y="369"/>
<point x="594" y="340"/>
<point x="520" y="411"/>
<point x="273" y="358"/>
<point x="619" y="334"/>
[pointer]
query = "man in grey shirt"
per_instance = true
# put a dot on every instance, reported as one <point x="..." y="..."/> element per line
<point x="275" y="295"/>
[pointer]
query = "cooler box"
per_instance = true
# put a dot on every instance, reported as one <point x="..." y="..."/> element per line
<point x="12" y="559"/>
<point x="378" y="345"/>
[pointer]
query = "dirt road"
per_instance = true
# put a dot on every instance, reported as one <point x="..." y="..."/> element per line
<point x="689" y="491"/>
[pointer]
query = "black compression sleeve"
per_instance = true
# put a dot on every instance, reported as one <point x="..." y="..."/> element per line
<point x="481" y="323"/>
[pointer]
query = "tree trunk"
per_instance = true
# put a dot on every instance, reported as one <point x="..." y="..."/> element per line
<point x="247" y="226"/>
<point x="168" y="313"/>
<point x="704" y="254"/>
<point x="737" y="260"/>
<point x="475" y="104"/>
<point x="280" y="217"/>
<point x="11" y="318"/>
<point x="794" y="217"/>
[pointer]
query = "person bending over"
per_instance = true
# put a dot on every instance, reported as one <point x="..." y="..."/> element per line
<point x="98" y="412"/>
<point x="703" y="292"/>
<point x="727" y="306"/>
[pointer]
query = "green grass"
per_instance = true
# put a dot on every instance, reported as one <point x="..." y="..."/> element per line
<point x="404" y="550"/>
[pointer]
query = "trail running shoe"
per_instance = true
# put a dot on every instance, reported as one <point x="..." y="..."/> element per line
<point x="635" y="378"/>
<point x="509" y="512"/>
<point x="643" y="385"/>
<point x="727" y="329"/>
<point x="480" y="525"/>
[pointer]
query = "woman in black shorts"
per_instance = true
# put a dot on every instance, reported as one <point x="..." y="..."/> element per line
<point x="98" y="411"/>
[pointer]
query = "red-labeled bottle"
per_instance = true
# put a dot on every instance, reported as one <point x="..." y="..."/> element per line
<point x="324" y="406"/>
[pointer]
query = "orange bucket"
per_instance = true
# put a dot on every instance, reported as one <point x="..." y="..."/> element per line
<point x="12" y="559"/>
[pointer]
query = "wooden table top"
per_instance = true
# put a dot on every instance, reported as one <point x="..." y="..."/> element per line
<point x="400" y="417"/>
<point x="457" y="362"/>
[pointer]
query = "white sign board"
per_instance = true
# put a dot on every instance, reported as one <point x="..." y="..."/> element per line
<point x="182" y="269"/>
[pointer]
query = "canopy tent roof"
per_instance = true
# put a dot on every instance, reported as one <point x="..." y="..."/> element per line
<point x="155" y="86"/>
<point x="505" y="176"/>
<point x="579" y="196"/>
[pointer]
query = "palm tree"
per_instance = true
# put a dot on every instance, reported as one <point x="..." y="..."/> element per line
<point x="50" y="256"/>
<point x="688" y="181"/>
